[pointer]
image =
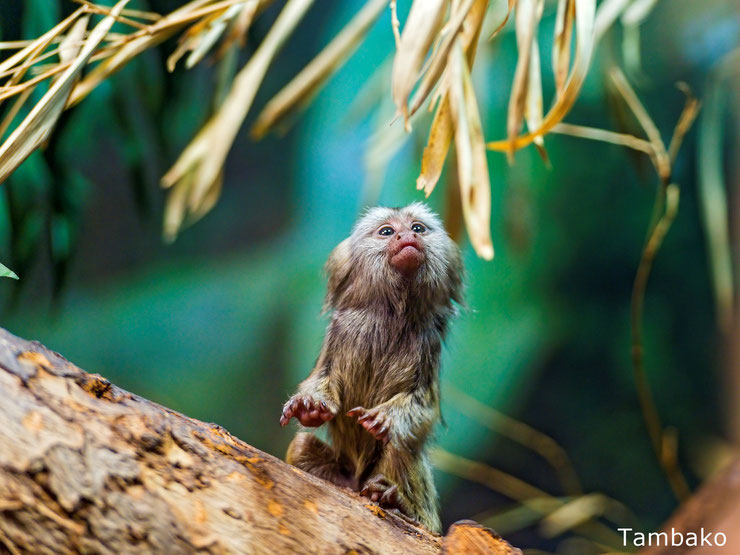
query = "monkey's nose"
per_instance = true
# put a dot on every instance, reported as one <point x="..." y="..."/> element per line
<point x="403" y="234"/>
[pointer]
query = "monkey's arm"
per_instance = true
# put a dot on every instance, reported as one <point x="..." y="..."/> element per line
<point x="405" y="420"/>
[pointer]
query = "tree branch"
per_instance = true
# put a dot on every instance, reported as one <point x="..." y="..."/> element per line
<point x="88" y="467"/>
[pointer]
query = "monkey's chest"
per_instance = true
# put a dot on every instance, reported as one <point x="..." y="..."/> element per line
<point x="369" y="375"/>
<point x="376" y="356"/>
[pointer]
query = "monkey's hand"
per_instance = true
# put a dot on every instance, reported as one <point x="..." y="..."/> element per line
<point x="307" y="410"/>
<point x="375" y="421"/>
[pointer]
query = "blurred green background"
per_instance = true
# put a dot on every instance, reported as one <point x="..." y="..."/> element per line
<point x="223" y="324"/>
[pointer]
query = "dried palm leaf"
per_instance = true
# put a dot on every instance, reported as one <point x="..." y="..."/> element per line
<point x="533" y="107"/>
<point x="440" y="134"/>
<point x="435" y="151"/>
<point x="42" y="118"/>
<point x="39" y="45"/>
<point x="500" y="26"/>
<point x="196" y="172"/>
<point x="527" y="18"/>
<point x="309" y="81"/>
<point x="475" y="183"/>
<point x="242" y="23"/>
<point x="438" y="61"/>
<point x="136" y="43"/>
<point x="585" y="15"/>
<point x="421" y="28"/>
<point x="561" y="45"/>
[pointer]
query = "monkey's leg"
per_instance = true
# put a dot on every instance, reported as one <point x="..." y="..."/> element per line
<point x="309" y="453"/>
<point x="402" y="482"/>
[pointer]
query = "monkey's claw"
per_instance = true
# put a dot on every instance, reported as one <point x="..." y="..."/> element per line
<point x="375" y="421"/>
<point x="382" y="491"/>
<point x="308" y="411"/>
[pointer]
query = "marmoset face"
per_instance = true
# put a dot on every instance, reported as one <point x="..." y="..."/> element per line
<point x="408" y="240"/>
<point x="392" y="250"/>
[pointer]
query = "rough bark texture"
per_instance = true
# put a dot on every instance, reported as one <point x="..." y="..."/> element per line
<point x="88" y="467"/>
<point x="714" y="508"/>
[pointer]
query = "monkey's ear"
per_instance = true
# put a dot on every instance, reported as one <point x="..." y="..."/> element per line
<point x="338" y="268"/>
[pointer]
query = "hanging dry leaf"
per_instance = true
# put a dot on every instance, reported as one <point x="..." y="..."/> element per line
<point x="526" y="20"/>
<point x="30" y="56"/>
<point x="310" y="80"/>
<point x="200" y="38"/>
<point x="39" y="44"/>
<point x="42" y="118"/>
<point x="175" y="208"/>
<point x="435" y="151"/>
<point x="438" y="61"/>
<point x="138" y="42"/>
<point x="440" y="134"/>
<point x="111" y="65"/>
<point x="201" y="162"/>
<point x="585" y="42"/>
<point x="497" y="30"/>
<point x="533" y="107"/>
<point x="475" y="184"/>
<point x="419" y="32"/>
<point x="242" y="23"/>
<point x="608" y="12"/>
<point x="561" y="45"/>
<point x="72" y="42"/>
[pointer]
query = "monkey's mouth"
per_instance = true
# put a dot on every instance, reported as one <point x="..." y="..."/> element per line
<point x="407" y="256"/>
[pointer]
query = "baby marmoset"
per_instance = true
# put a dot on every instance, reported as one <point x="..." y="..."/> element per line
<point x="392" y="287"/>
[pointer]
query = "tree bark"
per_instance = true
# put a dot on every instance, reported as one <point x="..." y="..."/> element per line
<point x="88" y="467"/>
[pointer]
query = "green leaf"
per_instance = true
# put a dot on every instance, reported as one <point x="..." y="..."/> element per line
<point x="7" y="272"/>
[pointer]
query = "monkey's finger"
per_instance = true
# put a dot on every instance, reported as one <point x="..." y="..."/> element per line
<point x="373" y="426"/>
<point x="324" y="408"/>
<point x="284" y="420"/>
<point x="390" y="497"/>
<point x="356" y="411"/>
<point x="365" y="417"/>
<point x="383" y="434"/>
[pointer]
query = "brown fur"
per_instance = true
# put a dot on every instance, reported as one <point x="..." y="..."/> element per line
<point x="380" y="357"/>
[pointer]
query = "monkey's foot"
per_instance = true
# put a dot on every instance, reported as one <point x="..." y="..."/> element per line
<point x="308" y="411"/>
<point x="382" y="491"/>
<point x="374" y="421"/>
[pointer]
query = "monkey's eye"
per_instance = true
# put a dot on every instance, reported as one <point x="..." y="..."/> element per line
<point x="386" y="231"/>
<point x="418" y="228"/>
